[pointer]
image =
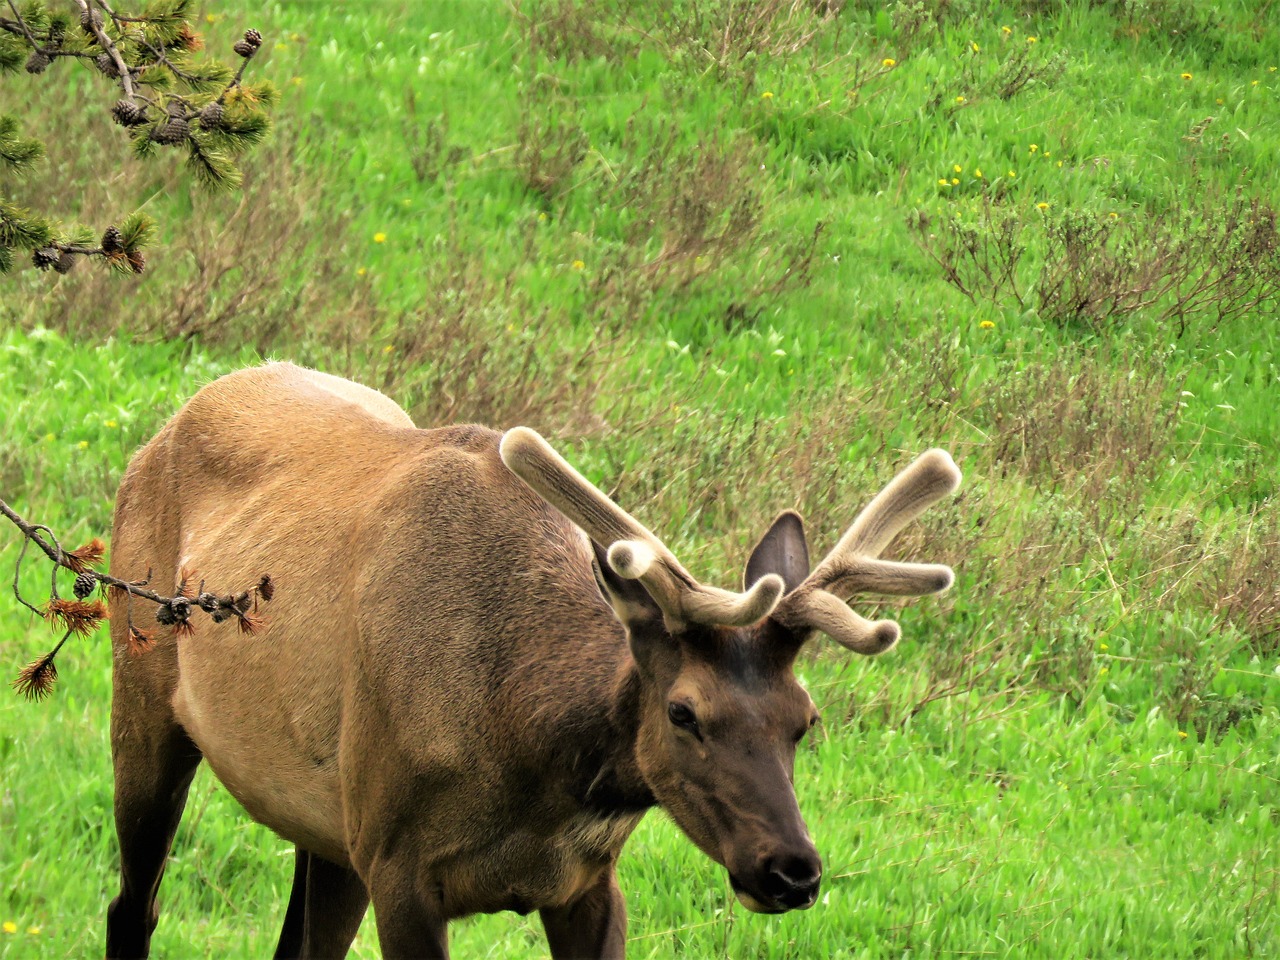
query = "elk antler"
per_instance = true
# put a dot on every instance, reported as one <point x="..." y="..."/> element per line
<point x="853" y="567"/>
<point x="633" y="551"/>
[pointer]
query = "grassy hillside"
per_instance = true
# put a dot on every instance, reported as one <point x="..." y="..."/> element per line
<point x="739" y="257"/>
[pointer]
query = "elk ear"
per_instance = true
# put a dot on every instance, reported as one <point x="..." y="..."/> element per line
<point x="630" y="600"/>
<point x="783" y="550"/>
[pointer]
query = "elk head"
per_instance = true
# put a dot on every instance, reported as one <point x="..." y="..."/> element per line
<point x="720" y="710"/>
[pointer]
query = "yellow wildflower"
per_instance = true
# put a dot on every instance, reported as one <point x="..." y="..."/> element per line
<point x="1181" y="733"/>
<point x="33" y="931"/>
<point x="9" y="927"/>
<point x="1103" y="646"/>
<point x="211" y="18"/>
<point x="1033" y="39"/>
<point x="954" y="181"/>
<point x="1012" y="175"/>
<point x="379" y="237"/>
<point x="957" y="168"/>
<point x="1253" y="83"/>
<point x="977" y="172"/>
<point x="888" y="62"/>
<point x="50" y="437"/>
<point x="960" y="99"/>
<point x="974" y="46"/>
<point x="1219" y="101"/>
<point x="361" y="271"/>
<point x="1114" y="216"/>
<point x="986" y="325"/>
<point x="1006" y="30"/>
<point x="296" y="81"/>
<point x="111" y="424"/>
<point x="83" y="444"/>
<point x="1186" y="76"/>
<point x="1034" y="147"/>
<point x="578" y="264"/>
<point x="282" y="46"/>
<point x="767" y="95"/>
<point x="542" y="217"/>
<point x="388" y="348"/>
<point x="1271" y="69"/>
<point x="1042" y="205"/>
<point x="944" y="182"/>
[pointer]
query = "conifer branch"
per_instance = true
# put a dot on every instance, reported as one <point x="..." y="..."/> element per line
<point x="81" y="616"/>
<point x="215" y="117"/>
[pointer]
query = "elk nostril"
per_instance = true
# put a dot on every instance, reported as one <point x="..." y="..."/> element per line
<point x="792" y="880"/>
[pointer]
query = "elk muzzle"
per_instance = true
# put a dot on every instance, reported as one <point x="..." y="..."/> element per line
<point x="782" y="875"/>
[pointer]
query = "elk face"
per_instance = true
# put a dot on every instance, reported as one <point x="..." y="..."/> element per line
<point x="720" y="712"/>
<point x="721" y="718"/>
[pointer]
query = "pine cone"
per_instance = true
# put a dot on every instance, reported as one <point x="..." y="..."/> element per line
<point x="173" y="130"/>
<point x="176" y="610"/>
<point x="128" y="114"/>
<point x="46" y="257"/>
<point x="38" y="62"/>
<point x="65" y="263"/>
<point x="90" y="18"/>
<point x="211" y="115"/>
<point x="248" y="45"/>
<point x="84" y="585"/>
<point x="112" y="240"/>
<point x="137" y="261"/>
<point x="107" y="64"/>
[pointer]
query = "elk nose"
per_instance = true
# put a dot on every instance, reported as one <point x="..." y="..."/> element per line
<point x="792" y="880"/>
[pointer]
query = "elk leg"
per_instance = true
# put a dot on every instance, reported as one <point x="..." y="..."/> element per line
<point x="290" y="943"/>
<point x="326" y="906"/>
<point x="153" y="770"/>
<point x="407" y="927"/>
<point x="595" y="925"/>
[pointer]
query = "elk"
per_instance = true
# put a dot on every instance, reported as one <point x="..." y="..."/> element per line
<point x="477" y="673"/>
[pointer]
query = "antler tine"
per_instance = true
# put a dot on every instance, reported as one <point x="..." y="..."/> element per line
<point x="854" y="566"/>
<point x="926" y="480"/>
<point x="634" y="552"/>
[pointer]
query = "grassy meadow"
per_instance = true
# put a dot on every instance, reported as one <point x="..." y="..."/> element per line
<point x="738" y="257"/>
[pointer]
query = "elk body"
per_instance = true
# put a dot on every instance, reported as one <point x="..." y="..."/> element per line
<point x="477" y="673"/>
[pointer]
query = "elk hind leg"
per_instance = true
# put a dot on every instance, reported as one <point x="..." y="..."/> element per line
<point x="153" y="771"/>
<point x="326" y="905"/>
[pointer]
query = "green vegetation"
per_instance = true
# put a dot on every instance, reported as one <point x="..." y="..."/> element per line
<point x="738" y="257"/>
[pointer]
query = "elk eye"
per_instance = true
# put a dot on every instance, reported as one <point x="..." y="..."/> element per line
<point x="682" y="716"/>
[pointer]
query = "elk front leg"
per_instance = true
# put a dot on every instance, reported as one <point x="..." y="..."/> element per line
<point x="326" y="905"/>
<point x="594" y="926"/>
<point x="408" y="927"/>
<point x="153" y="770"/>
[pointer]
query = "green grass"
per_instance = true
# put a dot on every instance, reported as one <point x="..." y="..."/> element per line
<point x="597" y="224"/>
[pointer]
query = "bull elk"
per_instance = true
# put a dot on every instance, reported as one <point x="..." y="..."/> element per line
<point x="477" y="675"/>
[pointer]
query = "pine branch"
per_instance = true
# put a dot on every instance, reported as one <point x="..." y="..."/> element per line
<point x="145" y="55"/>
<point x="81" y="616"/>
